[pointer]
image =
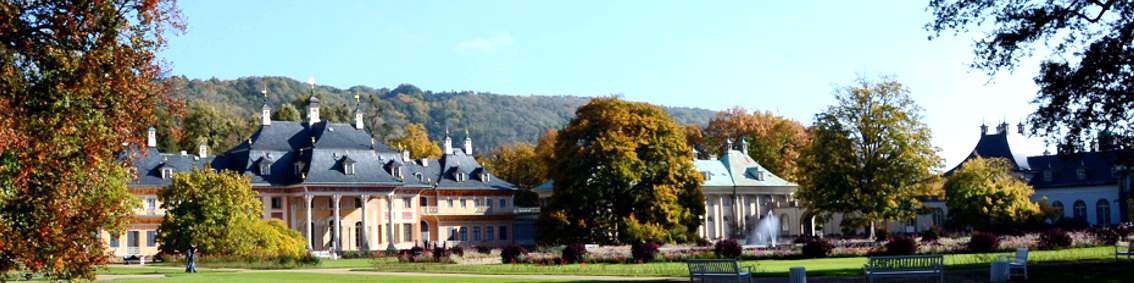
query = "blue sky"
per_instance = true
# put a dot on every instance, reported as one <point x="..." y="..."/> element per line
<point x="781" y="56"/>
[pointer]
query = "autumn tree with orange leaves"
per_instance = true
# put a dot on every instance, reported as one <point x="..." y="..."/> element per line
<point x="78" y="79"/>
<point x="773" y="141"/>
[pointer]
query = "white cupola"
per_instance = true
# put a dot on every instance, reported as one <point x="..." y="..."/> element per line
<point x="151" y="137"/>
<point x="265" y="115"/>
<point x="358" y="118"/>
<point x="447" y="146"/>
<point x="744" y="146"/>
<point x="203" y="150"/>
<point x="468" y="143"/>
<point x="312" y="110"/>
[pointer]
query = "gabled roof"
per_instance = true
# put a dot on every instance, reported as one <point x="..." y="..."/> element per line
<point x="149" y="163"/>
<point x="459" y="162"/>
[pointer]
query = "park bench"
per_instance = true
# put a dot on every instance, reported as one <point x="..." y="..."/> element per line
<point x="911" y="265"/>
<point x="1019" y="261"/>
<point x="1118" y="250"/>
<point x="718" y="269"/>
<point x="139" y="259"/>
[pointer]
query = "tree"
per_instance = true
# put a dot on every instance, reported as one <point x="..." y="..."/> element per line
<point x="220" y="128"/>
<point x="417" y="142"/>
<point x="521" y="164"/>
<point x="220" y="213"/>
<point x="773" y="141"/>
<point x="622" y="174"/>
<point x="869" y="154"/>
<point x="77" y="80"/>
<point x="986" y="195"/>
<point x="1087" y="75"/>
<point x="287" y="112"/>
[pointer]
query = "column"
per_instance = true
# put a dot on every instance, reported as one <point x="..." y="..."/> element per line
<point x="307" y="226"/>
<point x="337" y="234"/>
<point x="719" y="208"/>
<point x="365" y="232"/>
<point x="390" y="248"/>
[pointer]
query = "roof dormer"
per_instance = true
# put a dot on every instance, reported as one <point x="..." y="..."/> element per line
<point x="348" y="165"/>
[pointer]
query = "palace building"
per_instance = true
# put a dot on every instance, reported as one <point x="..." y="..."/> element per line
<point x="342" y="189"/>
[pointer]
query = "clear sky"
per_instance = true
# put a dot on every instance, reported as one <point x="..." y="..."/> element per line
<point x="781" y="56"/>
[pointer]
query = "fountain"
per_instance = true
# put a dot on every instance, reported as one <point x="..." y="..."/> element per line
<point x="765" y="232"/>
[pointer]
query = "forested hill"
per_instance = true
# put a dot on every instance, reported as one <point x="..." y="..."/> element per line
<point x="491" y="119"/>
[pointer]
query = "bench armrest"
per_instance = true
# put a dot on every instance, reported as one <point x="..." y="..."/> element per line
<point x="749" y="267"/>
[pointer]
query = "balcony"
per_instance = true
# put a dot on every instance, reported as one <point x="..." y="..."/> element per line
<point x="526" y="210"/>
<point x="433" y="210"/>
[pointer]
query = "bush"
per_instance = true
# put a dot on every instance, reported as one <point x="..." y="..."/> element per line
<point x="484" y="250"/>
<point x="1106" y="236"/>
<point x="881" y="235"/>
<point x="574" y="252"/>
<point x="901" y="245"/>
<point x="1072" y="224"/>
<point x="1054" y="239"/>
<point x="511" y="254"/>
<point x="981" y="242"/>
<point x="704" y="243"/>
<point x="440" y="253"/>
<point x="817" y="248"/>
<point x="930" y="235"/>
<point x="728" y="249"/>
<point x="644" y="252"/>
<point x="457" y="250"/>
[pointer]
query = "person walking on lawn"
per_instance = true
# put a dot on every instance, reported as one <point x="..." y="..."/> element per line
<point x="191" y="255"/>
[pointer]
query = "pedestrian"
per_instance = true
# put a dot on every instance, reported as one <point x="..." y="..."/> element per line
<point x="191" y="254"/>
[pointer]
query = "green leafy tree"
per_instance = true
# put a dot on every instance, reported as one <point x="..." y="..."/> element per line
<point x="287" y="112"/>
<point x="220" y="213"/>
<point x="622" y="174"/>
<point x="220" y="126"/>
<point x="417" y="141"/>
<point x="870" y="154"/>
<point x="522" y="164"/>
<point x="77" y="79"/>
<point x="1088" y="71"/>
<point x="986" y="195"/>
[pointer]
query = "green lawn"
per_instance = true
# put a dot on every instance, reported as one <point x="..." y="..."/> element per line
<point x="765" y="268"/>
<point x="118" y="270"/>
<point x="277" y="277"/>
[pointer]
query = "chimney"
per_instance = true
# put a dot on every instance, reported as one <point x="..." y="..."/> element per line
<point x="1020" y="128"/>
<point x="184" y="153"/>
<point x="744" y="146"/>
<point x="312" y="110"/>
<point x="358" y="118"/>
<point x="424" y="162"/>
<point x="448" y="146"/>
<point x="203" y="150"/>
<point x="405" y="156"/>
<point x="468" y="143"/>
<point x="983" y="129"/>
<point x="151" y="137"/>
<point x="265" y="115"/>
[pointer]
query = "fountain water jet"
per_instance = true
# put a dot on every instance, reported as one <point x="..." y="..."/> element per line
<point x="765" y="233"/>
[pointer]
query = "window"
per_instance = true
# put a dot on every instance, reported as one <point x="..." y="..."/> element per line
<point x="298" y="167"/>
<point x="489" y="202"/>
<point x="784" y="223"/>
<point x="476" y="202"/>
<point x="1058" y="205"/>
<point x="396" y="171"/>
<point x="277" y="203"/>
<point x="489" y="233"/>
<point x="358" y="234"/>
<point x="452" y="234"/>
<point x="419" y="176"/>
<point x="407" y="202"/>
<point x="151" y="238"/>
<point x="706" y="175"/>
<point x="357" y="202"/>
<point x="265" y="168"/>
<point x="450" y="201"/>
<point x="503" y="232"/>
<point x="503" y="203"/>
<point x="132" y="239"/>
<point x="484" y="177"/>
<point x="464" y="233"/>
<point x="151" y="203"/>
<point x="460" y="177"/>
<point x="1102" y="212"/>
<point x="166" y="172"/>
<point x="348" y="168"/>
<point x="1081" y="173"/>
<point x="1080" y="210"/>
<point x="114" y="240"/>
<point x="1047" y="175"/>
<point x="463" y="204"/>
<point x="407" y="232"/>
<point x="476" y="233"/>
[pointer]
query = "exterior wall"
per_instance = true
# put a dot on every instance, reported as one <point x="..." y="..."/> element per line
<point x="725" y="208"/>
<point x="1089" y="195"/>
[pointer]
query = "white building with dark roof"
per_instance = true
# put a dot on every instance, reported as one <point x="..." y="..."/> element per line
<point x="342" y="189"/>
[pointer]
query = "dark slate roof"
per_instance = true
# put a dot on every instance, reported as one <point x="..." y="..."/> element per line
<point x="150" y="163"/>
<point x="995" y="145"/>
<point x="459" y="162"/>
<point x="1098" y="166"/>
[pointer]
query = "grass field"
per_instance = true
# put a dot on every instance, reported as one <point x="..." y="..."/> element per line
<point x="764" y="268"/>
<point x="277" y="277"/>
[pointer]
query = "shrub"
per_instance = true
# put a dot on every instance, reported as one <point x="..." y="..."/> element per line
<point x="881" y="235"/>
<point x="484" y="250"/>
<point x="817" y="248"/>
<point x="901" y="245"/>
<point x="644" y="252"/>
<point x="440" y="253"/>
<point x="457" y="250"/>
<point x="511" y="254"/>
<point x="981" y="242"/>
<point x="574" y="252"/>
<point x="1123" y="229"/>
<point x="1054" y="239"/>
<point x="1106" y="236"/>
<point x="930" y="235"/>
<point x="1072" y="223"/>
<point x="704" y="243"/>
<point x="728" y="249"/>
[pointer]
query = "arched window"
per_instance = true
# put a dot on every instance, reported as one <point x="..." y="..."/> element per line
<point x="1058" y="205"/>
<point x="1080" y="210"/>
<point x="1102" y="212"/>
<point x="784" y="225"/>
<point x="424" y="231"/>
<point x="938" y="218"/>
